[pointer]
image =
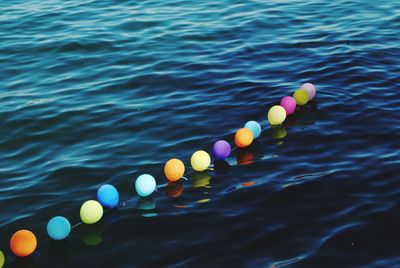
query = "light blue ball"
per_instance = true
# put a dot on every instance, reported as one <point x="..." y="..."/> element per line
<point x="254" y="127"/>
<point x="145" y="185"/>
<point x="58" y="228"/>
<point x="108" y="196"/>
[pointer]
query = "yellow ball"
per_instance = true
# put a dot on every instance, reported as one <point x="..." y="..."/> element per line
<point x="200" y="160"/>
<point x="301" y="96"/>
<point x="91" y="212"/>
<point x="2" y="259"/>
<point x="276" y="115"/>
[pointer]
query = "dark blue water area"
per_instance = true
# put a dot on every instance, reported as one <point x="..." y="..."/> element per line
<point x="96" y="92"/>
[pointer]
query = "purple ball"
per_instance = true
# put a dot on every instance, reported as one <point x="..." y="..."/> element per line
<point x="311" y="90"/>
<point x="221" y="150"/>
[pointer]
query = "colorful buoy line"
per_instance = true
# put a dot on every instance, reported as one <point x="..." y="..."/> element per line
<point x="24" y="242"/>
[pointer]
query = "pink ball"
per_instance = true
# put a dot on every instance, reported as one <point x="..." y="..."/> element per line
<point x="310" y="88"/>
<point x="289" y="104"/>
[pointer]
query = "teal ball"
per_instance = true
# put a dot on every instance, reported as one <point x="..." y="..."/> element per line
<point x="58" y="228"/>
<point x="254" y="127"/>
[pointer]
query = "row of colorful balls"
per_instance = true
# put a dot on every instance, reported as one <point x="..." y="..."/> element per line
<point x="23" y="243"/>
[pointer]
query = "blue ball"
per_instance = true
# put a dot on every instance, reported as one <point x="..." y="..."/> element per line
<point x="108" y="196"/>
<point x="58" y="228"/>
<point x="145" y="185"/>
<point x="254" y="127"/>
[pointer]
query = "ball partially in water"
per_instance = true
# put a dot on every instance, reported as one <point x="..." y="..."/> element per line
<point x="254" y="127"/>
<point x="91" y="212"/>
<point x="58" y="228"/>
<point x="174" y="169"/>
<point x="145" y="185"/>
<point x="244" y="137"/>
<point x="289" y="104"/>
<point x="311" y="90"/>
<point x="108" y="196"/>
<point x="276" y="115"/>
<point x="221" y="150"/>
<point x="301" y="96"/>
<point x="200" y="160"/>
<point x="23" y="243"/>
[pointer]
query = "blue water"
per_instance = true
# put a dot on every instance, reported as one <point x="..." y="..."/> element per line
<point x="96" y="92"/>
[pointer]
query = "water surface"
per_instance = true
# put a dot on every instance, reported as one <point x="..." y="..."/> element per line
<point x="96" y="92"/>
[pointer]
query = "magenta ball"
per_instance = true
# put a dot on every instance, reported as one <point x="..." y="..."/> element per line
<point x="221" y="150"/>
<point x="289" y="104"/>
<point x="311" y="90"/>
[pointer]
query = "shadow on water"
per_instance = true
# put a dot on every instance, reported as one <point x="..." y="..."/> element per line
<point x="60" y="252"/>
<point x="26" y="262"/>
<point x="91" y="235"/>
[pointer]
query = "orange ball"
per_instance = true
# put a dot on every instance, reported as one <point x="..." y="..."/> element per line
<point x="174" y="169"/>
<point x="23" y="243"/>
<point x="244" y="137"/>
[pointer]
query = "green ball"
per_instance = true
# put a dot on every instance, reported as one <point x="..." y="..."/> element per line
<point x="91" y="212"/>
<point x="276" y="115"/>
<point x="301" y="96"/>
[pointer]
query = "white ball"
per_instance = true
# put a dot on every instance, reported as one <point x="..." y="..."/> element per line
<point x="145" y="185"/>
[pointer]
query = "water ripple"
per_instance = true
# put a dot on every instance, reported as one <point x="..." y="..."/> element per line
<point x="97" y="92"/>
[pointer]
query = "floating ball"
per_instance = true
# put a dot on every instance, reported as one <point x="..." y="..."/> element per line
<point x="301" y="96"/>
<point x="289" y="104"/>
<point x="311" y="90"/>
<point x="200" y="160"/>
<point x="145" y="185"/>
<point x="174" y="169"/>
<point x="254" y="127"/>
<point x="276" y="115"/>
<point x="2" y="259"/>
<point x="244" y="137"/>
<point x="91" y="212"/>
<point x="58" y="228"/>
<point x="221" y="150"/>
<point x="108" y="196"/>
<point x="23" y="243"/>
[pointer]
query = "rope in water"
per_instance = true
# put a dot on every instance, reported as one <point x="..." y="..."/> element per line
<point x="200" y="161"/>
